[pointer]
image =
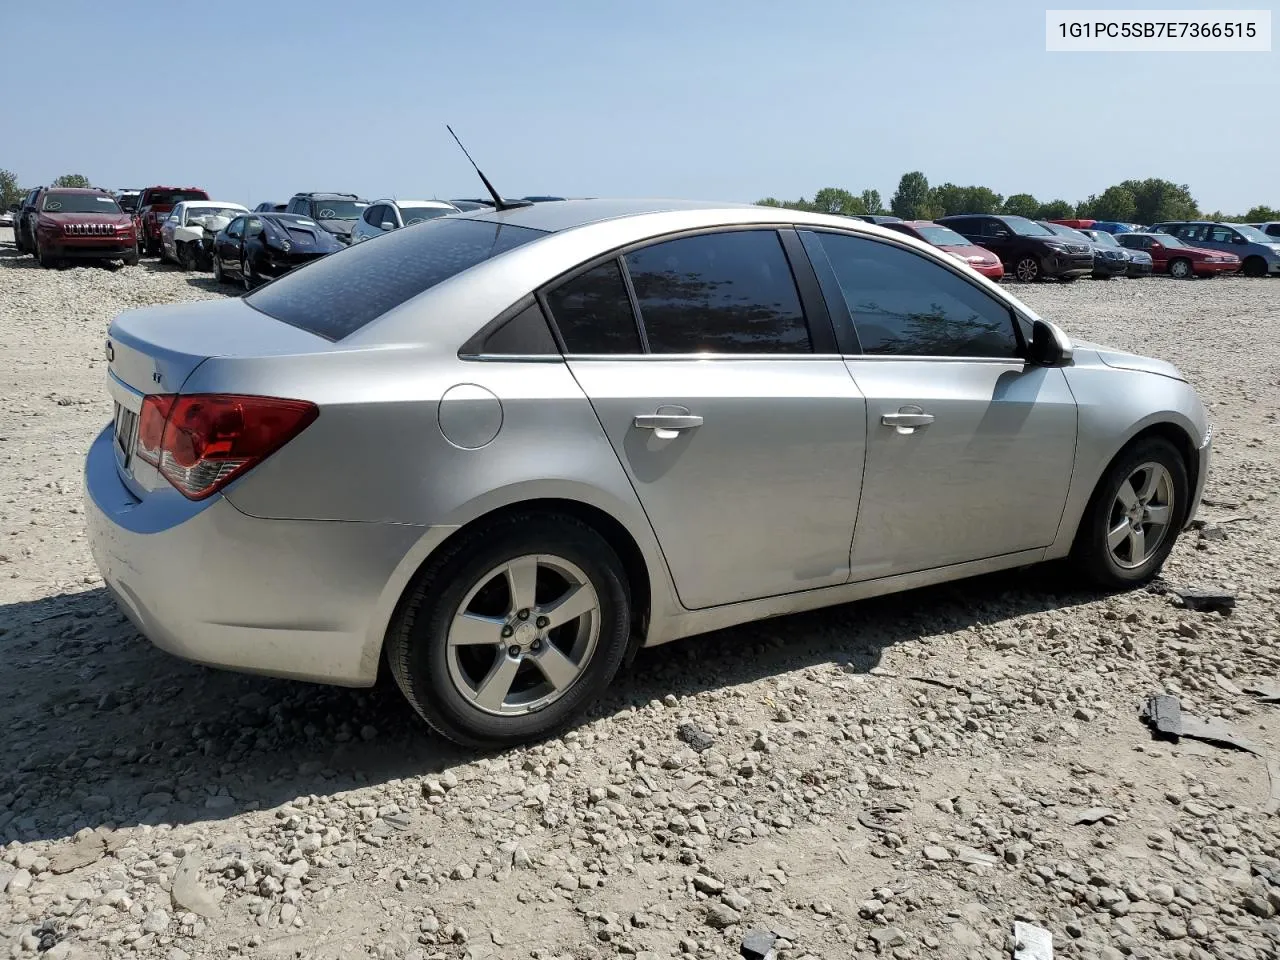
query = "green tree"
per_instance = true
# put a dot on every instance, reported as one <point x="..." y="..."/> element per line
<point x="912" y="199"/>
<point x="871" y="200"/>
<point x="1056" y="210"/>
<point x="983" y="200"/>
<point x="1116" y="203"/>
<point x="1261" y="214"/>
<point x="1156" y="200"/>
<point x="948" y="200"/>
<point x="9" y="190"/>
<point x="1023" y="205"/>
<point x="836" y="200"/>
<point x="72" y="180"/>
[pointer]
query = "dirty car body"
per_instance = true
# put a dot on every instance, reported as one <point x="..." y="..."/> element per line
<point x="501" y="449"/>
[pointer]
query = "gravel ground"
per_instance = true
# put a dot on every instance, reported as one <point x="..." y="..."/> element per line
<point x="901" y="777"/>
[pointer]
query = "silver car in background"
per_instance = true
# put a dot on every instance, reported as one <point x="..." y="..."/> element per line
<point x="501" y="450"/>
<point x="383" y="216"/>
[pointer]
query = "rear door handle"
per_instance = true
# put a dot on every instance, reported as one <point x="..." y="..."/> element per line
<point x="907" y="421"/>
<point x="667" y="426"/>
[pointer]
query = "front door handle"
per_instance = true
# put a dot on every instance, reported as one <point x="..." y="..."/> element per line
<point x="667" y="426"/>
<point x="907" y="421"/>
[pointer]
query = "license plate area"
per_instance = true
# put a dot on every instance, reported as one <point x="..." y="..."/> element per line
<point x="126" y="432"/>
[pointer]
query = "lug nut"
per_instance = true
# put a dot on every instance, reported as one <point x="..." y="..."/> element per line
<point x="536" y="645"/>
<point x="523" y="614"/>
<point x="542" y="623"/>
<point x="506" y="632"/>
<point x="513" y="651"/>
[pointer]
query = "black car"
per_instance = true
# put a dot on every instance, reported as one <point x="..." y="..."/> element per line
<point x="22" y="237"/>
<point x="128" y="199"/>
<point x="1027" y="250"/>
<point x="336" y="212"/>
<point x="270" y="206"/>
<point x="258" y="247"/>
<point x="875" y="218"/>
<point x="1140" y="263"/>
<point x="1108" y="261"/>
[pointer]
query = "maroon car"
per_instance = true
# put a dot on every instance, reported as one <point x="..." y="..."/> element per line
<point x="947" y="240"/>
<point x="153" y="209"/>
<point x="77" y="224"/>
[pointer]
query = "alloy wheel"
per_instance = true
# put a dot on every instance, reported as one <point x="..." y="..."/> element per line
<point x="1180" y="269"/>
<point x="523" y="635"/>
<point x="1027" y="269"/>
<point x="1141" y="515"/>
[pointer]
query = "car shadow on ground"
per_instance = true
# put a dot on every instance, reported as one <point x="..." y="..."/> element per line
<point x="106" y="730"/>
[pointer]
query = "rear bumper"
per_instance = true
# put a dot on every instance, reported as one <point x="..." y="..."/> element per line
<point x="203" y="581"/>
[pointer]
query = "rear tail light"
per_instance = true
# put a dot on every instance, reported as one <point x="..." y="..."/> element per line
<point x="200" y="442"/>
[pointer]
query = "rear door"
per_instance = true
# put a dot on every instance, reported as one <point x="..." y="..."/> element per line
<point x="728" y="405"/>
<point x="969" y="448"/>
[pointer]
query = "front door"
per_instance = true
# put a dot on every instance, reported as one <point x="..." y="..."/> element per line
<point x="969" y="449"/>
<point x="743" y="442"/>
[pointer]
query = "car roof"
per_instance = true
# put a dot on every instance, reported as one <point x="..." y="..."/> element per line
<point x="211" y="203"/>
<point x="444" y="204"/>
<point x="328" y="195"/>
<point x="567" y="214"/>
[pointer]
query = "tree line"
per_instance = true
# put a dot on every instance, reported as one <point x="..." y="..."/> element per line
<point x="11" y="193"/>
<point x="1130" y="201"/>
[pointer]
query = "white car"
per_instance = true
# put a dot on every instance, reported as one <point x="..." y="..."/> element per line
<point x="6" y="218"/>
<point x="182" y="234"/>
<point x="382" y="216"/>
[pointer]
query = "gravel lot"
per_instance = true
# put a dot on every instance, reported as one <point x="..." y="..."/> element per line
<point x="900" y="777"/>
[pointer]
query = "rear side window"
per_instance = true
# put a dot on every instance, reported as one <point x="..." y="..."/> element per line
<point x="349" y="289"/>
<point x="593" y="312"/>
<point x="905" y="304"/>
<point x="730" y="292"/>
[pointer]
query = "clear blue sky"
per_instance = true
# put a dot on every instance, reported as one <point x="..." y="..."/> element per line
<point x="687" y="98"/>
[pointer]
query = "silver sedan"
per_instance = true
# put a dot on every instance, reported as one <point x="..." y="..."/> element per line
<point x="496" y="452"/>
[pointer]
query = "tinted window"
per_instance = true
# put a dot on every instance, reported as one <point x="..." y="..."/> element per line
<point x="1273" y="229"/>
<point x="1222" y="235"/>
<point x="343" y="292"/>
<point x="594" y="312"/>
<point x="903" y="303"/>
<point x="235" y="228"/>
<point x="372" y="216"/>
<point x="719" y="293"/>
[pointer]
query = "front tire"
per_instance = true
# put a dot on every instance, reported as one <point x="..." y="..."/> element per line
<point x="218" y="276"/>
<point x="43" y="258"/>
<point x="1134" y="516"/>
<point x="1180" y="268"/>
<point x="1255" y="267"/>
<point x="1027" y="269"/>
<point x="187" y="256"/>
<point x="512" y="631"/>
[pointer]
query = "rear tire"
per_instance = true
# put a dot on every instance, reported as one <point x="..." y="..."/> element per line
<point x="469" y="580"/>
<point x="1255" y="267"/>
<point x="131" y="260"/>
<point x="1107" y="552"/>
<point x="1180" y="268"/>
<point x="153" y="248"/>
<point x="1027" y="269"/>
<point x="218" y="276"/>
<point x="44" y="259"/>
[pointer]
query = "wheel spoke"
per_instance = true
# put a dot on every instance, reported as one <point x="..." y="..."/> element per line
<point x="1118" y="535"/>
<point x="1137" y="544"/>
<point x="559" y="670"/>
<point x="1127" y="495"/>
<point x="496" y="685"/>
<point x="574" y="603"/>
<point x="522" y="579"/>
<point x="1158" y="515"/>
<point x="471" y="629"/>
<point x="1154" y="475"/>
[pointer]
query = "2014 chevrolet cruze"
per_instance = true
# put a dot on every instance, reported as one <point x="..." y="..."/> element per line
<point x="501" y="449"/>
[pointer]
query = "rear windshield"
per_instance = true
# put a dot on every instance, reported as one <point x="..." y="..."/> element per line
<point x="336" y="296"/>
<point x="170" y="197"/>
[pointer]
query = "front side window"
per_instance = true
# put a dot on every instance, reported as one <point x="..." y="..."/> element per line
<point x="1222" y="235"/>
<point x="904" y="304"/>
<point x="235" y="229"/>
<point x="593" y="312"/>
<point x="730" y="292"/>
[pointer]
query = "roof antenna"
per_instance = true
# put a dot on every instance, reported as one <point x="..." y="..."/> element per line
<point x="498" y="202"/>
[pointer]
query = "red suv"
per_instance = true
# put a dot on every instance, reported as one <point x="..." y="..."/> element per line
<point x="79" y="224"/>
<point x="153" y="209"/>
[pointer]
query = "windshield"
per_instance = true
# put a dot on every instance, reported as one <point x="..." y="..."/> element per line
<point x="418" y="214"/>
<point x="1169" y="241"/>
<point x="1026" y="228"/>
<point x="1252" y="233"/>
<point x="942" y="237"/>
<point x="1102" y="237"/>
<point x="79" y="203"/>
<point x="213" y="212"/>
<point x="338" y="209"/>
<point x="128" y="203"/>
<point x="170" y="197"/>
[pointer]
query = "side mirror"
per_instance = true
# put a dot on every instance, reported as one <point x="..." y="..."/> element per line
<point x="388" y="225"/>
<point x="1050" y="347"/>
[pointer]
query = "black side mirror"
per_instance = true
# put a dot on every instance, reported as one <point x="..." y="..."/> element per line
<point x="1049" y="346"/>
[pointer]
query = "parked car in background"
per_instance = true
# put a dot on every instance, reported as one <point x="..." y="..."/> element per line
<point x="335" y="212"/>
<point x="950" y="242"/>
<point x="880" y="218"/>
<point x="1259" y="253"/>
<point x="1108" y="261"/>
<point x="318" y="478"/>
<point x="1271" y="228"/>
<point x="1180" y="260"/>
<point x="270" y="206"/>
<point x="540" y="199"/>
<point x="257" y="247"/>
<point x="22" y="238"/>
<point x="1115" y="226"/>
<point x="1027" y="249"/>
<point x="1076" y="224"/>
<point x="7" y="216"/>
<point x="472" y="203"/>
<point x="182" y="234"/>
<point x="128" y="199"/>
<point x="1140" y="262"/>
<point x="382" y="216"/>
<point x="81" y="224"/>
<point x="154" y="205"/>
